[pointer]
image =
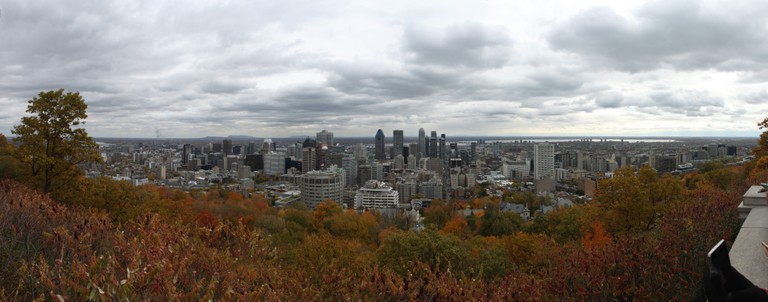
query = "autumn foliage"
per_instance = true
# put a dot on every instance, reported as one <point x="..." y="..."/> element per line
<point x="115" y="241"/>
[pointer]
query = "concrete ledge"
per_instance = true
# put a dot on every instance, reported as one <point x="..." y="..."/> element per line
<point x="747" y="254"/>
<point x="753" y="197"/>
<point x="744" y="210"/>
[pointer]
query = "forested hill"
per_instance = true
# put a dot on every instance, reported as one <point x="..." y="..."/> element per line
<point x="116" y="241"/>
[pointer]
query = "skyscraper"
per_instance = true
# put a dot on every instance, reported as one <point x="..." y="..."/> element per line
<point x="397" y="143"/>
<point x="472" y="151"/>
<point x="325" y="138"/>
<point x="543" y="160"/>
<point x="360" y="152"/>
<point x="433" y="144"/>
<point x="274" y="163"/>
<point x="443" y="150"/>
<point x="422" y="144"/>
<point x="349" y="164"/>
<point x="379" y="140"/>
<point x="267" y="146"/>
<point x="308" y="159"/>
<point x="227" y="147"/>
<point x="186" y="154"/>
<point x="309" y="143"/>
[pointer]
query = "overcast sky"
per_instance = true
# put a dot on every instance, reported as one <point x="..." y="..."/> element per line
<point x="283" y="68"/>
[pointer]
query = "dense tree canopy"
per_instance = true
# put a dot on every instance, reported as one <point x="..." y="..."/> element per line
<point x="52" y="143"/>
<point x="10" y="167"/>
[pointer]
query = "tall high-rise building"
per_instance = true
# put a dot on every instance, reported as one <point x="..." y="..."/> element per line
<point x="363" y="174"/>
<point x="349" y="164"/>
<point x="433" y="144"/>
<point x="297" y="147"/>
<point x="397" y="143"/>
<point x="413" y="149"/>
<point x="308" y="142"/>
<point x="412" y="162"/>
<point x="399" y="162"/>
<point x="227" y="147"/>
<point x="267" y="146"/>
<point x="472" y="151"/>
<point x="406" y="189"/>
<point x="325" y="138"/>
<point x="308" y="159"/>
<point x="543" y="160"/>
<point x="186" y="153"/>
<point x="433" y="164"/>
<point x="274" y="163"/>
<point x="379" y="141"/>
<point x="443" y="150"/>
<point x="360" y="152"/>
<point x="422" y="144"/>
<point x="431" y="189"/>
<point x="377" y="171"/>
<point x="255" y="161"/>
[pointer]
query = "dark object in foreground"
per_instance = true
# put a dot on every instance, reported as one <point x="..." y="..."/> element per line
<point x="722" y="282"/>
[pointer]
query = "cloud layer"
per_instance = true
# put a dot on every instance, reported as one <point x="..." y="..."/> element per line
<point x="285" y="68"/>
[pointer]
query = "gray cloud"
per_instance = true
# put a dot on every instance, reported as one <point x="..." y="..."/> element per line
<point x="471" y="45"/>
<point x="609" y="100"/>
<point x="223" y="87"/>
<point x="685" y="99"/>
<point x="550" y="83"/>
<point x="682" y="34"/>
<point x="384" y="84"/>
<point x="760" y="97"/>
<point x="288" y="67"/>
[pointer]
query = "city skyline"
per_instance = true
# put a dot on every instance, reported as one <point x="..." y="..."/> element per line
<point x="293" y="68"/>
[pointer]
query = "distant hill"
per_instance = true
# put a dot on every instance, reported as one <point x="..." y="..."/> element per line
<point x="232" y="137"/>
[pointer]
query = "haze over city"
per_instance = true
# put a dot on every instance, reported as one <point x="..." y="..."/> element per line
<point x="285" y="68"/>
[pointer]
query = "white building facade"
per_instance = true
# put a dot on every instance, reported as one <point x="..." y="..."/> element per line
<point x="376" y="195"/>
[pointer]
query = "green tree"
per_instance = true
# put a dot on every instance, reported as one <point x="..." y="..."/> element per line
<point x="438" y="215"/>
<point x="401" y="251"/>
<point x="52" y="143"/>
<point x="499" y="223"/>
<point x="10" y="167"/>
<point x="631" y="202"/>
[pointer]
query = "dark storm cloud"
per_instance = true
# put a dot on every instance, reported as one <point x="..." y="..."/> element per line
<point x="473" y="45"/>
<point x="683" y="34"/>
